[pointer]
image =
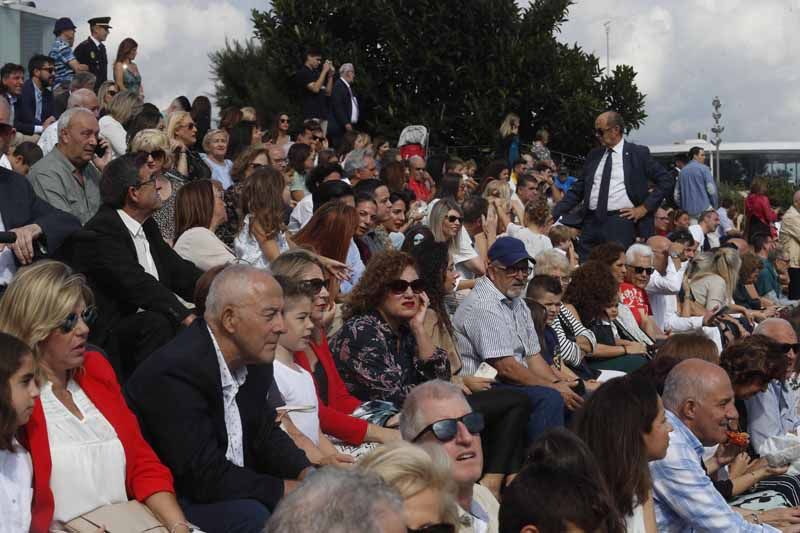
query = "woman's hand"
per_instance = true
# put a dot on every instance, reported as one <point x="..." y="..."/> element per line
<point x="475" y="384"/>
<point x="780" y="517"/>
<point x="635" y="348"/>
<point x="489" y="221"/>
<point x="740" y="465"/>
<point x="176" y="145"/>
<point x="337" y="459"/>
<point x="418" y="319"/>
<point x="339" y="270"/>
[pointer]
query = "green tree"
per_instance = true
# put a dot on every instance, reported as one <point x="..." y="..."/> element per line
<point x="456" y="67"/>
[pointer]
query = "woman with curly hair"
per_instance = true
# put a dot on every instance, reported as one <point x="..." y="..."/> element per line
<point x="382" y="349"/>
<point x="533" y="234"/>
<point x="594" y="292"/>
<point x="263" y="234"/>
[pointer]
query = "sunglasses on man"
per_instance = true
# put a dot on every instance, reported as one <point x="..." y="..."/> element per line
<point x="446" y="430"/>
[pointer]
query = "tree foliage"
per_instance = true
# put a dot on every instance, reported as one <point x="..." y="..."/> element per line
<point x="456" y="67"/>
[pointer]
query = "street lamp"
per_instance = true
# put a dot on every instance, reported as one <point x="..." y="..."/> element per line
<point x="717" y="140"/>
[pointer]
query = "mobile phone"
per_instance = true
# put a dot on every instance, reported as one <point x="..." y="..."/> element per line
<point x="485" y="370"/>
<point x="99" y="150"/>
<point x="721" y="311"/>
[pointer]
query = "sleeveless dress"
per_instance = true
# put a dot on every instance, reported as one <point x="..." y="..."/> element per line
<point x="133" y="82"/>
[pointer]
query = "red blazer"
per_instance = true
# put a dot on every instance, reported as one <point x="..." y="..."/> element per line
<point x="334" y="411"/>
<point x="144" y="473"/>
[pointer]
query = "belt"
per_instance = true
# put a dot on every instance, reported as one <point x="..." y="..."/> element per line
<point x="608" y="213"/>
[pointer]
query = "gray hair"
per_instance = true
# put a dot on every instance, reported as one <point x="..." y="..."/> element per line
<point x="80" y="98"/>
<point x="66" y="117"/>
<point x="337" y="501"/>
<point x="345" y="68"/>
<point x="355" y="162"/>
<point x="412" y="417"/>
<point x="82" y="80"/>
<point x="232" y="285"/>
<point x="413" y="157"/>
<point x="686" y="380"/>
<point x="119" y="176"/>
<point x="548" y="261"/>
<point x="769" y="326"/>
<point x="638" y="250"/>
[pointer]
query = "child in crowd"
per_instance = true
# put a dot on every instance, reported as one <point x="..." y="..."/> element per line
<point x="561" y="238"/>
<point x="295" y="384"/>
<point x="18" y="393"/>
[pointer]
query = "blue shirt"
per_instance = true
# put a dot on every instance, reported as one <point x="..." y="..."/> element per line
<point x="695" y="190"/>
<point x="357" y="267"/>
<point x="684" y="496"/>
<point x="62" y="54"/>
<point x="771" y="413"/>
<point x="564" y="185"/>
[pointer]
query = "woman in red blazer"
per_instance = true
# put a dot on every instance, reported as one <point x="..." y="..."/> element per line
<point x="336" y="404"/>
<point x="88" y="465"/>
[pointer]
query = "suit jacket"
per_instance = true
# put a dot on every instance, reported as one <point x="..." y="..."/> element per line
<point x="177" y="395"/>
<point x="88" y="53"/>
<point x="120" y="284"/>
<point x="341" y="108"/>
<point x="640" y="171"/>
<point x="19" y="206"/>
<point x="25" y="108"/>
<point x="144" y="473"/>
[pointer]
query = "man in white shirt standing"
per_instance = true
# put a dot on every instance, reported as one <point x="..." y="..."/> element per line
<point x="344" y="112"/>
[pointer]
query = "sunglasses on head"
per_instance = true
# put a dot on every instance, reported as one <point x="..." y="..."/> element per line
<point x="400" y="286"/>
<point x="314" y="284"/>
<point x="434" y="528"/>
<point x="785" y="347"/>
<point x="88" y="316"/>
<point x="453" y="219"/>
<point x="642" y="270"/>
<point x="447" y="429"/>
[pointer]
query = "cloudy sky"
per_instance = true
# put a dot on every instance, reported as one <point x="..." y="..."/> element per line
<point x="685" y="51"/>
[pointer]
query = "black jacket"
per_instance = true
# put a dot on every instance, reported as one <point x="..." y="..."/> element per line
<point x="88" y="53"/>
<point x="25" y="108"/>
<point x="19" y="206"/>
<point x="120" y="284"/>
<point x="640" y="169"/>
<point x="177" y="395"/>
<point x="341" y="109"/>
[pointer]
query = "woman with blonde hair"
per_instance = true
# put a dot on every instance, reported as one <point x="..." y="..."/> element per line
<point x="182" y="134"/>
<point x="508" y="148"/>
<point x="422" y="477"/>
<point x="215" y="145"/>
<point x="123" y="107"/>
<point x="105" y="93"/>
<point x="86" y="445"/>
<point x="160" y="159"/>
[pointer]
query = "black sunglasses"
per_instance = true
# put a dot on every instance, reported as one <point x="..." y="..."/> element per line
<point x="400" y="286"/>
<point x="453" y="219"/>
<point x="320" y="139"/>
<point x="516" y="270"/>
<point x="434" y="528"/>
<point x="155" y="154"/>
<point x="88" y="316"/>
<point x="785" y="347"/>
<point x="284" y="121"/>
<point x="641" y="270"/>
<point x="447" y="429"/>
<point x="314" y="284"/>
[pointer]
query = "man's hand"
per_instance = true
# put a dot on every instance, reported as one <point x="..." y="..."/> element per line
<point x="186" y="322"/>
<point x="47" y="122"/>
<point x="23" y="248"/>
<point x="101" y="162"/>
<point x="571" y="400"/>
<point x="634" y="213"/>
<point x="784" y="517"/>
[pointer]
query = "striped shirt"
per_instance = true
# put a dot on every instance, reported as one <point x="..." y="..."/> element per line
<point x="488" y="325"/>
<point x="571" y="354"/>
<point x="62" y="54"/>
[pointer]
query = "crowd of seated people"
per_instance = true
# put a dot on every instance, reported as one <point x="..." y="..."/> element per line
<point x="209" y="326"/>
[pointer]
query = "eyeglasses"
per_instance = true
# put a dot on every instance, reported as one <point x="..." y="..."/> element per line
<point x="112" y="93"/>
<point x="155" y="154"/>
<point x="89" y="315"/>
<point x="785" y="347"/>
<point x="318" y="139"/>
<point x="434" y="528"/>
<point x="447" y="429"/>
<point x="314" y="284"/>
<point x="453" y="219"/>
<point x="190" y="126"/>
<point x="256" y="166"/>
<point x="141" y="184"/>
<point x="515" y="270"/>
<point x="400" y="286"/>
<point x="642" y="270"/>
<point x="284" y="121"/>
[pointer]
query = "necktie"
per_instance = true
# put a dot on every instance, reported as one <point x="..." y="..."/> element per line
<point x="706" y="244"/>
<point x="605" y="183"/>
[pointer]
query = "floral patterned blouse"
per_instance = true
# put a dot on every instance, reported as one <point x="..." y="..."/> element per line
<point x="378" y="364"/>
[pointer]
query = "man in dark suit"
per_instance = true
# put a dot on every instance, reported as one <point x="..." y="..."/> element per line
<point x="133" y="272"/>
<point x="33" y="110"/>
<point x="92" y="51"/>
<point x="344" y="110"/>
<point x="619" y="189"/>
<point x="202" y="404"/>
<point x="39" y="227"/>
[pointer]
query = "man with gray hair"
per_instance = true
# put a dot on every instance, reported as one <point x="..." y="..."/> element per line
<point x="335" y="500"/>
<point x="359" y="166"/>
<point x="68" y="178"/>
<point x="344" y="110"/>
<point x="81" y="98"/>
<point x="437" y="413"/>
<point x="81" y="80"/>
<point x="640" y="268"/>
<point x="698" y="398"/>
<point x="202" y="401"/>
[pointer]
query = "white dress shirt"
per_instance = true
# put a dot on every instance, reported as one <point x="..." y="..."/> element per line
<point x="233" y="420"/>
<point x="7" y="265"/>
<point x="301" y="214"/>
<point x="5" y="163"/>
<point x="699" y="236"/>
<point x="617" y="195"/>
<point x="354" y="101"/>
<point x="140" y="242"/>
<point x="16" y="489"/>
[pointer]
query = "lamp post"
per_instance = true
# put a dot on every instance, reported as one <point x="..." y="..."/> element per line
<point x="717" y="140"/>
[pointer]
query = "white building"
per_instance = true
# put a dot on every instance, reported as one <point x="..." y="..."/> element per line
<point x="24" y="31"/>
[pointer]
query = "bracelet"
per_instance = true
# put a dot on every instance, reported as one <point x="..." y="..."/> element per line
<point x="181" y="523"/>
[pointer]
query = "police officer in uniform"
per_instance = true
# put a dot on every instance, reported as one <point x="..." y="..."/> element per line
<point x="92" y="51"/>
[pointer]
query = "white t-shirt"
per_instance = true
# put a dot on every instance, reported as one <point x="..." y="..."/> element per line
<point x="535" y="243"/>
<point x="297" y="388"/>
<point x="16" y="489"/>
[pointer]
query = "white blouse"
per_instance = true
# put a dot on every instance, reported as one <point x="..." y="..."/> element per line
<point x="16" y="490"/>
<point x="87" y="456"/>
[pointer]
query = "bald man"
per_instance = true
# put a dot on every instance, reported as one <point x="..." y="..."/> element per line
<point x="789" y="237"/>
<point x="614" y="188"/>
<point x="202" y="401"/>
<point x="699" y="399"/>
<point x="774" y="412"/>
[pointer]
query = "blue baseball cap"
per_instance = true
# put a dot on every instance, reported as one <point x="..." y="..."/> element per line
<point x="64" y="23"/>
<point x="509" y="251"/>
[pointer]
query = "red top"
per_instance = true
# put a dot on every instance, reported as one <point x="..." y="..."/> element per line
<point x="757" y="205"/>
<point x="144" y="473"/>
<point x="636" y="300"/>
<point x="420" y="190"/>
<point x="334" y="411"/>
